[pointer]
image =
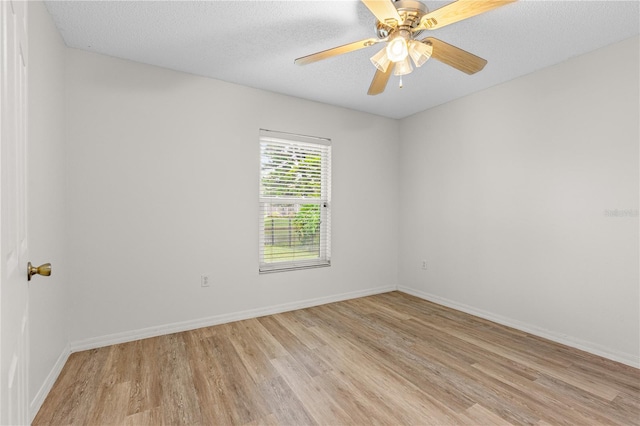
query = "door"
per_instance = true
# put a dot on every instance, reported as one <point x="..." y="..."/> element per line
<point x="14" y="351"/>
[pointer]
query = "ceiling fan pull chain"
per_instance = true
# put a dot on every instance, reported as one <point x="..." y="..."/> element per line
<point x="401" y="82"/>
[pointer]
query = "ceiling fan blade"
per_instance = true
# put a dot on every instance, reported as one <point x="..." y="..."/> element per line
<point x="356" y="45"/>
<point x="454" y="56"/>
<point x="380" y="80"/>
<point x="384" y="10"/>
<point x="457" y="11"/>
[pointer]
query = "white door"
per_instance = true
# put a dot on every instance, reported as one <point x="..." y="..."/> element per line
<point x="14" y="351"/>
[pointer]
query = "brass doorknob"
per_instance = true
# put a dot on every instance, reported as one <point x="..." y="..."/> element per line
<point x="44" y="270"/>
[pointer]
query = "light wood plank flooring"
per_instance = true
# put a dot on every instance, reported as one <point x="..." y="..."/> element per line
<point x="385" y="359"/>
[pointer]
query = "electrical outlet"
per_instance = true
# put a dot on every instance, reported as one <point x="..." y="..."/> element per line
<point x="424" y="264"/>
<point x="204" y="280"/>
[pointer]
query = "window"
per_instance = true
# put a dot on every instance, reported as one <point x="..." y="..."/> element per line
<point x="295" y="200"/>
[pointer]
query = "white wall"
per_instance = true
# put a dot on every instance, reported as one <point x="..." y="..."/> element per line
<point x="163" y="172"/>
<point x="48" y="297"/>
<point x="505" y="196"/>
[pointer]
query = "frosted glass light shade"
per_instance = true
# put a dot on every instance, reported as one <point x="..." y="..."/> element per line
<point x="381" y="60"/>
<point x="419" y="52"/>
<point x="403" y="67"/>
<point x="397" y="49"/>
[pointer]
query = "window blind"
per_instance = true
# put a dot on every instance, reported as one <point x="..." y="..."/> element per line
<point x="295" y="201"/>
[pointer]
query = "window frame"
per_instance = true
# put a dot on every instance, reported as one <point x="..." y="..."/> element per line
<point x="324" y="201"/>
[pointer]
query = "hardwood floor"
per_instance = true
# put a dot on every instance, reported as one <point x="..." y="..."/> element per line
<point x="385" y="359"/>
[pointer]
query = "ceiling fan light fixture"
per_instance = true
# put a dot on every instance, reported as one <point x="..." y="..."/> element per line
<point x="419" y="52"/>
<point x="399" y="24"/>
<point x="397" y="49"/>
<point x="403" y="67"/>
<point x="381" y="60"/>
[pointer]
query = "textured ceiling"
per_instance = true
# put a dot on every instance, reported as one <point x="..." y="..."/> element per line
<point x="254" y="43"/>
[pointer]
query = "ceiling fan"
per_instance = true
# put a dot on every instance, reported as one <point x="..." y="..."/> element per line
<point x="399" y="24"/>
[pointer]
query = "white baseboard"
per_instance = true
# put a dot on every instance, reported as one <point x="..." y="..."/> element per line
<point x="37" y="401"/>
<point x="129" y="336"/>
<point x="573" y="342"/>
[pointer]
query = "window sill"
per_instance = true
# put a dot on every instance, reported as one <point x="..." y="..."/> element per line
<point x="271" y="270"/>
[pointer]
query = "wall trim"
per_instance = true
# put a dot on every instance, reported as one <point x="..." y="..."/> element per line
<point x="622" y="357"/>
<point x="44" y="390"/>
<point x="144" y="333"/>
